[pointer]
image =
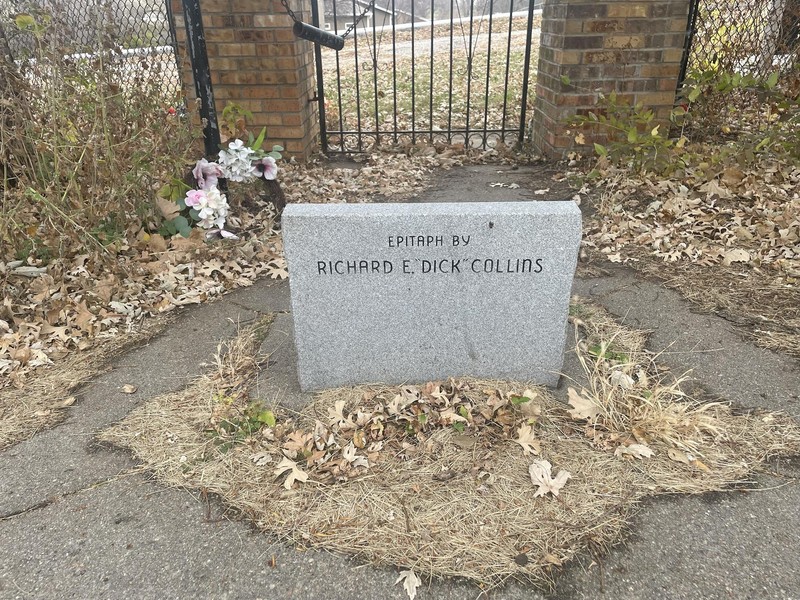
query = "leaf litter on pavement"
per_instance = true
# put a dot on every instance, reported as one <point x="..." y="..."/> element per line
<point x="726" y="237"/>
<point x="55" y="315"/>
<point x="376" y="471"/>
<point x="634" y="445"/>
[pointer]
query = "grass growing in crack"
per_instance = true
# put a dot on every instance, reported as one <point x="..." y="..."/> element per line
<point x="398" y="509"/>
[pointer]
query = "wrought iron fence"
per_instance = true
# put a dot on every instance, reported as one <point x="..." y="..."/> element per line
<point x="137" y="37"/>
<point x="749" y="37"/>
<point x="455" y="71"/>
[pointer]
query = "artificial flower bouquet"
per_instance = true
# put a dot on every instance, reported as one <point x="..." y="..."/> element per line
<point x="205" y="205"/>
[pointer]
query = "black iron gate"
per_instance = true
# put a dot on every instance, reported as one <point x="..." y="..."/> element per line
<point x="452" y="71"/>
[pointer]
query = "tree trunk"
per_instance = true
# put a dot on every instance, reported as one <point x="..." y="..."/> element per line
<point x="773" y="19"/>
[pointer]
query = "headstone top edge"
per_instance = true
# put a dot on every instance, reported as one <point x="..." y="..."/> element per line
<point x="423" y="209"/>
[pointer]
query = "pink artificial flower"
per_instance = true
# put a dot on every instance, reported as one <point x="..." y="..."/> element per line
<point x="206" y="174"/>
<point x="195" y="198"/>
<point x="266" y="168"/>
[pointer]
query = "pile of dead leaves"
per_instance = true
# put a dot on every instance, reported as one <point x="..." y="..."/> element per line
<point x="727" y="237"/>
<point x="727" y="217"/>
<point x="376" y="471"/>
<point x="391" y="175"/>
<point x="55" y="311"/>
<point x="350" y="440"/>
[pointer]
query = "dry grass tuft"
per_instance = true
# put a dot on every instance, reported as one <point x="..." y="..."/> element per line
<point x="446" y="502"/>
<point x="767" y="308"/>
<point x="42" y="403"/>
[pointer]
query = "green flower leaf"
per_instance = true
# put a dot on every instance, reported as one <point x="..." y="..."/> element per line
<point x="182" y="226"/>
<point x="25" y="21"/>
<point x="772" y="80"/>
<point x="600" y="149"/>
<point x="267" y="417"/>
<point x="259" y="140"/>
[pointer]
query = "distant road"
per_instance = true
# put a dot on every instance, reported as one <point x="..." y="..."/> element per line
<point x="422" y="46"/>
<point x="441" y="44"/>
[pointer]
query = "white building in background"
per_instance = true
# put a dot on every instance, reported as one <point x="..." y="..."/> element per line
<point x="340" y="14"/>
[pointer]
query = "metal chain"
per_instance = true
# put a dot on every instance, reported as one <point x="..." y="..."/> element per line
<point x="361" y="16"/>
<point x="294" y="18"/>
<point x="290" y="12"/>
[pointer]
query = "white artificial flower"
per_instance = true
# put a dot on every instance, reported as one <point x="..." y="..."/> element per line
<point x="212" y="208"/>
<point x="206" y="174"/>
<point x="206" y="222"/>
<point x="214" y="198"/>
<point x="266" y="168"/>
<point x="236" y="162"/>
<point x="237" y="145"/>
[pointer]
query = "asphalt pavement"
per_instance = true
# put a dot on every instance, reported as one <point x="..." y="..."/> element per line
<point x="81" y="520"/>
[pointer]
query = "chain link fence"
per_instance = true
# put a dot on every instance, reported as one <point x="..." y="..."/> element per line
<point x="749" y="37"/>
<point x="135" y="37"/>
<point x="743" y="61"/>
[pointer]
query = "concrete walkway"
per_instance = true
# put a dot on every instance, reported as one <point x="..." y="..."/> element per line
<point x="82" y="521"/>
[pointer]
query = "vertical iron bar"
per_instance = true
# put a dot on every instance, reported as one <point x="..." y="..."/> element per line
<point x="196" y="45"/>
<point x="469" y="70"/>
<point x="430" y="101"/>
<point x="691" y="25"/>
<point x="488" y="70"/>
<point x="525" y="75"/>
<point x="338" y="82"/>
<point x="323" y="125"/>
<point x="394" y="69"/>
<point x="508" y="65"/>
<point x="358" y="80"/>
<point x="375" y="73"/>
<point x="413" y="77"/>
<point x="450" y="85"/>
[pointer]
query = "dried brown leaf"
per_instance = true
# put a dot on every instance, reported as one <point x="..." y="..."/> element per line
<point x="639" y="451"/>
<point x="540" y="471"/>
<point x="168" y="209"/>
<point x="294" y="472"/>
<point x="582" y="407"/>
<point x="410" y="583"/>
<point x="527" y="439"/>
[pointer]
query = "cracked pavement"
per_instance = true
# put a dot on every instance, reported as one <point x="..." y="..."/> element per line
<point x="82" y="520"/>
<point x="79" y="520"/>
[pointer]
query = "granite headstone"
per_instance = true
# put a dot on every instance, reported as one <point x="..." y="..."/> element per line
<point x="398" y="293"/>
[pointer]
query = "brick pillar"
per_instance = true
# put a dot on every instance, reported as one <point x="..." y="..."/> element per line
<point x="257" y="62"/>
<point x="632" y="47"/>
